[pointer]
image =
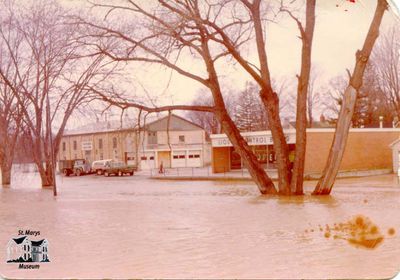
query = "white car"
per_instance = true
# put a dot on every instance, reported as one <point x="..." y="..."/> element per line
<point x="99" y="166"/>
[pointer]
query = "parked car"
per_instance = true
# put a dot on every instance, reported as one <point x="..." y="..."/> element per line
<point x="99" y="166"/>
<point x="77" y="167"/>
<point x="118" y="168"/>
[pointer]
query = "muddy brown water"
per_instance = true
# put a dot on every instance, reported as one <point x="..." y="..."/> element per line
<point x="134" y="227"/>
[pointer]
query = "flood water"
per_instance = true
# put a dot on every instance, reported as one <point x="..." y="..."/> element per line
<point x="135" y="227"/>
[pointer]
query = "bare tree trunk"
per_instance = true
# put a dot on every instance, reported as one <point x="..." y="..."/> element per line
<point x="45" y="173"/>
<point x="6" y="166"/>
<point x="302" y="90"/>
<point x="327" y="180"/>
<point x="271" y="103"/>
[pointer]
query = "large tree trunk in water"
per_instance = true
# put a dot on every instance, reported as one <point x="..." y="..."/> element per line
<point x="307" y="34"/>
<point x="325" y="184"/>
<point x="6" y="166"/>
<point x="257" y="172"/>
<point x="271" y="104"/>
<point x="46" y="174"/>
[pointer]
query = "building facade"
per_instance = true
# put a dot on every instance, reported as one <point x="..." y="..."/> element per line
<point x="366" y="149"/>
<point x="172" y="141"/>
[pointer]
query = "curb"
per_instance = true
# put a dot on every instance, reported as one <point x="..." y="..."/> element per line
<point x="307" y="177"/>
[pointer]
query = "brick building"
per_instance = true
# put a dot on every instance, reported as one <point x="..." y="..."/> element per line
<point x="367" y="149"/>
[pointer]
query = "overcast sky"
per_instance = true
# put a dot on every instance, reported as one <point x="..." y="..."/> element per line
<point x="339" y="32"/>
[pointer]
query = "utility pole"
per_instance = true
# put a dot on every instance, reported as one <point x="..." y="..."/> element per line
<point x="53" y="166"/>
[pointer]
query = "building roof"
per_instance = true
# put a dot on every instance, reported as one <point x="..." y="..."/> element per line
<point x="316" y="124"/>
<point x="103" y="126"/>
<point x="37" y="243"/>
<point x="19" y="240"/>
<point x="176" y="123"/>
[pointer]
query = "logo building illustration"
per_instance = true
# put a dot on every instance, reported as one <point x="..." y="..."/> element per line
<point x="24" y="250"/>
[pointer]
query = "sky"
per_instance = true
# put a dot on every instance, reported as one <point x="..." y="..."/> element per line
<point x="340" y="30"/>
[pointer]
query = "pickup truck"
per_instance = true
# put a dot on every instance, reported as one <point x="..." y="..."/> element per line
<point x="118" y="168"/>
<point x="77" y="167"/>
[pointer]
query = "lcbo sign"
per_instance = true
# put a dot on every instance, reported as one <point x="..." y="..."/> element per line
<point x="252" y="140"/>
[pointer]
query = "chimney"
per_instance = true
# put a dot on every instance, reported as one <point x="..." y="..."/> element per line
<point x="380" y="121"/>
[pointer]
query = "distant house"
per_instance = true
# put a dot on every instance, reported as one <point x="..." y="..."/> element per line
<point x="19" y="249"/>
<point x="24" y="250"/>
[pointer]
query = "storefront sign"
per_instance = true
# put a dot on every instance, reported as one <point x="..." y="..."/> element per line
<point x="252" y="140"/>
<point x="87" y="146"/>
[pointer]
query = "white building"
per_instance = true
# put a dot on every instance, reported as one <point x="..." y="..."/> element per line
<point x="172" y="141"/>
<point x="19" y="249"/>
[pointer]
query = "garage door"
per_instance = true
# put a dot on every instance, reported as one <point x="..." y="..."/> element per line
<point x="130" y="158"/>
<point x="147" y="161"/>
<point x="178" y="159"/>
<point x="194" y="159"/>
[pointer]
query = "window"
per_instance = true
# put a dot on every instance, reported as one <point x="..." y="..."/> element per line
<point x="182" y="156"/>
<point x="196" y="156"/>
<point x="151" y="158"/>
<point x="190" y="156"/>
<point x="100" y="143"/>
<point x="152" y="138"/>
<point x="143" y="158"/>
<point x="64" y="146"/>
<point x="75" y="145"/>
<point x="175" y="157"/>
<point x="114" y="142"/>
<point x="182" y="138"/>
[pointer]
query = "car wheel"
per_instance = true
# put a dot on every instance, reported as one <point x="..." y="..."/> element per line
<point x="65" y="172"/>
<point x="99" y="172"/>
<point x="119" y="173"/>
<point x="106" y="174"/>
<point x="78" y="172"/>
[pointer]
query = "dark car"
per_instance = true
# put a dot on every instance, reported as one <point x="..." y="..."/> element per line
<point x="118" y="168"/>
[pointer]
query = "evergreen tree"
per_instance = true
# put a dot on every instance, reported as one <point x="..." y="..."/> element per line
<point x="249" y="113"/>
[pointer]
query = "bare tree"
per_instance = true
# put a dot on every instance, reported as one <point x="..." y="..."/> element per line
<point x="192" y="28"/>
<point x="313" y="95"/>
<point x="331" y="169"/>
<point x="306" y="35"/>
<point x="386" y="61"/>
<point x="10" y="111"/>
<point x="51" y="77"/>
<point x="332" y="97"/>
<point x="209" y="32"/>
<point x="10" y="127"/>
